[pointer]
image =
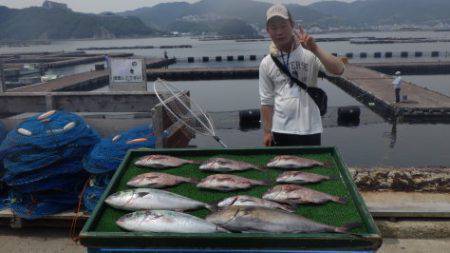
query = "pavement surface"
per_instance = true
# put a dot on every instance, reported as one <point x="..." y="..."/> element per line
<point x="49" y="240"/>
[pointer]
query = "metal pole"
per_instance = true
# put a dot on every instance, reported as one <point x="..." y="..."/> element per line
<point x="2" y="77"/>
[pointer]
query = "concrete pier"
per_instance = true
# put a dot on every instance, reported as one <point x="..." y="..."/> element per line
<point x="376" y="91"/>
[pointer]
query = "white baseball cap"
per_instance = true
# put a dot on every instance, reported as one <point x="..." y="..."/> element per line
<point x="397" y="73"/>
<point x="277" y="10"/>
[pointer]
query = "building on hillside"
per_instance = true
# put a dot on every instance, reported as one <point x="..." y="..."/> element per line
<point x="54" y="5"/>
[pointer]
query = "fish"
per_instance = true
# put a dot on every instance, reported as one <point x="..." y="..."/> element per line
<point x="262" y="219"/>
<point x="300" y="177"/>
<point x="292" y="162"/>
<point x="244" y="200"/>
<point x="295" y="194"/>
<point x="220" y="164"/>
<point x="225" y="182"/>
<point x="158" y="180"/>
<point x="161" y="221"/>
<point x="162" y="161"/>
<point x="153" y="199"/>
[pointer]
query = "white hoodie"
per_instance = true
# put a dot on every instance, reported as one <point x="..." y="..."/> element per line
<point x="295" y="112"/>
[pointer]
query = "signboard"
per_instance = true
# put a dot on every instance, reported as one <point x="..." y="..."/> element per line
<point x="127" y="74"/>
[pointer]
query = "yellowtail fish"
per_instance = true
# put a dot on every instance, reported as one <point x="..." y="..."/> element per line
<point x="165" y="221"/>
<point x="262" y="219"/>
<point x="153" y="199"/>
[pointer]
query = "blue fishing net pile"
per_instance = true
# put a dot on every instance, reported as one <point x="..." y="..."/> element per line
<point x="43" y="167"/>
<point x="106" y="157"/>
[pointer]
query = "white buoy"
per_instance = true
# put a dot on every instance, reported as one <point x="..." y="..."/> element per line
<point x="69" y="126"/>
<point x="24" y="131"/>
<point x="116" y="138"/>
<point x="46" y="115"/>
<point x="137" y="140"/>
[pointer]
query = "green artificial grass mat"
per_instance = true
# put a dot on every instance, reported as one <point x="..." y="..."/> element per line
<point x="330" y="213"/>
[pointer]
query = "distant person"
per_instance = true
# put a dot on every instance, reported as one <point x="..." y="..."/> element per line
<point x="166" y="65"/>
<point x="289" y="115"/>
<point x="397" y="85"/>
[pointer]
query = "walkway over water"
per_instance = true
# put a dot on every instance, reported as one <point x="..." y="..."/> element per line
<point x="376" y="90"/>
<point x="372" y="88"/>
<point x="84" y="81"/>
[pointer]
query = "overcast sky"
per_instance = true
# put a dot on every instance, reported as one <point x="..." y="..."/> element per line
<point x="119" y="5"/>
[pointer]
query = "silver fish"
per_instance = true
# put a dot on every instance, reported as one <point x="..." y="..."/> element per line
<point x="225" y="182"/>
<point x="292" y="162"/>
<point x="225" y="165"/>
<point x="153" y="199"/>
<point x="244" y="200"/>
<point x="261" y="219"/>
<point x="161" y="221"/>
<point x="295" y="194"/>
<point x="159" y="180"/>
<point x="300" y="177"/>
<point x="162" y="161"/>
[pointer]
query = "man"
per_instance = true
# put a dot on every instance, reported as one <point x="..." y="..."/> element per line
<point x="290" y="116"/>
<point x="397" y="85"/>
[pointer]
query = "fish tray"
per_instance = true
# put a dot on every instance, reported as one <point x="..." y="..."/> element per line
<point x="101" y="231"/>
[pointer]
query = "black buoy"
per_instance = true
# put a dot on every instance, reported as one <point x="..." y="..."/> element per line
<point x="250" y="119"/>
<point x="349" y="116"/>
<point x="99" y="66"/>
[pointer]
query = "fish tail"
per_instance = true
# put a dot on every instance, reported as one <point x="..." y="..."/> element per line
<point x="211" y="207"/>
<point x="262" y="168"/>
<point x="340" y="200"/>
<point x="334" y="177"/>
<point x="193" y="180"/>
<point x="195" y="162"/>
<point x="223" y="230"/>
<point x="264" y="182"/>
<point x="347" y="228"/>
<point x="289" y="207"/>
<point x="327" y="164"/>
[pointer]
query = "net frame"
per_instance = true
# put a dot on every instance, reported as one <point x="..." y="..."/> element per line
<point x="167" y="93"/>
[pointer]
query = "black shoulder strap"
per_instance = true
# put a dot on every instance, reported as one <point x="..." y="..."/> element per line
<point x="286" y="72"/>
